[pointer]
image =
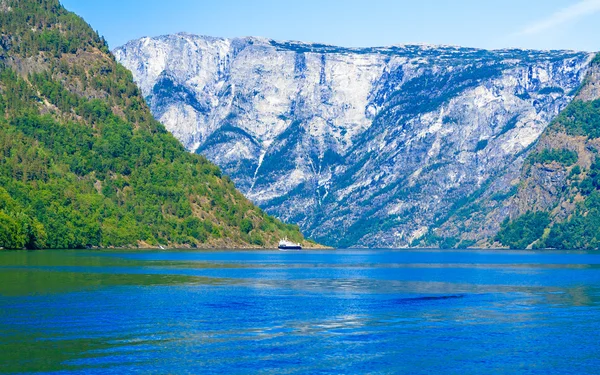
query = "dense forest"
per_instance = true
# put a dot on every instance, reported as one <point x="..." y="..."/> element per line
<point x="561" y="227"/>
<point x="82" y="161"/>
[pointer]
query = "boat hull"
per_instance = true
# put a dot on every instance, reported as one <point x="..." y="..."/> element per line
<point x="290" y="247"/>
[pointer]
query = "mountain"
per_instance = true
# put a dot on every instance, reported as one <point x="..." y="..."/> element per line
<point x="359" y="146"/>
<point x="83" y="162"/>
<point x="553" y="200"/>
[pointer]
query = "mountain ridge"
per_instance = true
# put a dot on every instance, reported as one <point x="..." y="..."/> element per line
<point x="283" y="42"/>
<point x="359" y="149"/>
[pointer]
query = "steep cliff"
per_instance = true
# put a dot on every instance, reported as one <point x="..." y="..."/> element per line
<point x="554" y="199"/>
<point x="363" y="146"/>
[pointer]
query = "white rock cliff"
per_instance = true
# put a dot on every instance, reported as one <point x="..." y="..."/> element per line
<point x="359" y="146"/>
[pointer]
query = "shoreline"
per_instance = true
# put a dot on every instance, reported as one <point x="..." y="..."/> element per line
<point x="264" y="249"/>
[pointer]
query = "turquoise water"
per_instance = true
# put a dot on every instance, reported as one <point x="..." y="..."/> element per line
<point x="327" y="312"/>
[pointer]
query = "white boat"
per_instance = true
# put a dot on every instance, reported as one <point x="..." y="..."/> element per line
<point x="284" y="244"/>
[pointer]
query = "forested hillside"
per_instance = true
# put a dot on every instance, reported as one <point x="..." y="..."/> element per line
<point x="82" y="161"/>
<point x="553" y="201"/>
<point x="569" y="148"/>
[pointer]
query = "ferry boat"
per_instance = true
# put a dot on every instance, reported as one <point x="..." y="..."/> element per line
<point x="284" y="244"/>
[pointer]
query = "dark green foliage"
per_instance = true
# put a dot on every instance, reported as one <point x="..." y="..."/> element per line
<point x="501" y="196"/>
<point x="576" y="171"/>
<point x="481" y="145"/>
<point x="367" y="224"/>
<point x="277" y="159"/>
<point x="331" y="157"/>
<point x="246" y="226"/>
<point x="561" y="156"/>
<point x="82" y="161"/>
<point x="581" y="230"/>
<point x="430" y="239"/>
<point x="17" y="229"/>
<point x="592" y="181"/>
<point x="551" y="90"/>
<point x="521" y="232"/>
<point x="510" y="124"/>
<point x="428" y="91"/>
<point x="33" y="26"/>
<point x="464" y="207"/>
<point x="580" y="118"/>
<point x="465" y="244"/>
<point x="166" y="90"/>
<point x="448" y="243"/>
<point x="226" y="133"/>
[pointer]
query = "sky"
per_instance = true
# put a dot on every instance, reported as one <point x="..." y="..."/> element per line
<point x="535" y="24"/>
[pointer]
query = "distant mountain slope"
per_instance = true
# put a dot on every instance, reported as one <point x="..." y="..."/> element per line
<point x="554" y="199"/>
<point x="83" y="162"/>
<point x="359" y="146"/>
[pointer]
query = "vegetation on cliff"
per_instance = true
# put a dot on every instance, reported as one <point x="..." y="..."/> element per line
<point x="573" y="221"/>
<point x="83" y="162"/>
<point x="521" y="232"/>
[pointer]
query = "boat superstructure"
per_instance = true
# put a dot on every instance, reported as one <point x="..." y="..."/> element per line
<point x="284" y="244"/>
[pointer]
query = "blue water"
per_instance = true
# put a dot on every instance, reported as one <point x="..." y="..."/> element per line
<point x="325" y="312"/>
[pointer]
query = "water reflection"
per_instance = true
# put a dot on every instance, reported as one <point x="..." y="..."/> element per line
<point x="356" y="312"/>
<point x="30" y="281"/>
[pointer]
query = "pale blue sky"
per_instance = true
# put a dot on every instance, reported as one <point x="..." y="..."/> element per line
<point x="538" y="24"/>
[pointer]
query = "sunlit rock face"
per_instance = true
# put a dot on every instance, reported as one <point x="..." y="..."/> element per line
<point x="360" y="147"/>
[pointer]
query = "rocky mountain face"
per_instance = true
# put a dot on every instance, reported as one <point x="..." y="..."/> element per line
<point x="359" y="146"/>
<point x="553" y="200"/>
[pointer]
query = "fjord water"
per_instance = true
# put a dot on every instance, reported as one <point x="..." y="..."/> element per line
<point x="344" y="311"/>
